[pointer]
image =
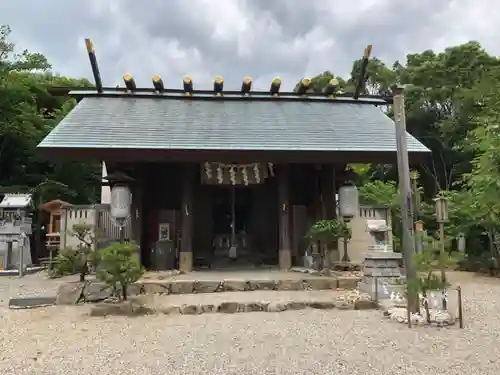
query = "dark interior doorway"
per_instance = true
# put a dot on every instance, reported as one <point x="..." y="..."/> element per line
<point x="232" y="205"/>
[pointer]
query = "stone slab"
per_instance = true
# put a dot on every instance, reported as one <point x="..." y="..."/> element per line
<point x="28" y="271"/>
<point x="383" y="255"/>
<point x="31" y="302"/>
<point x="122" y="308"/>
<point x="70" y="293"/>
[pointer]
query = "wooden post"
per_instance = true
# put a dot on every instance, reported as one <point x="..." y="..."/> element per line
<point x="285" y="248"/>
<point x="186" y="253"/>
<point x="329" y="208"/>
<point x="137" y="214"/>
<point x="405" y="196"/>
<point x="460" y="307"/>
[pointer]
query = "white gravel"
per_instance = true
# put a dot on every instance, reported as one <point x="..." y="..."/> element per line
<point x="59" y="340"/>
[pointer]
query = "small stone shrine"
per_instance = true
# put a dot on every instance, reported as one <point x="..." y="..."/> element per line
<point x="15" y="227"/>
<point x="382" y="274"/>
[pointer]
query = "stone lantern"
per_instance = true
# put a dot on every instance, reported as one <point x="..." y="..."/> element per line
<point x="348" y="208"/>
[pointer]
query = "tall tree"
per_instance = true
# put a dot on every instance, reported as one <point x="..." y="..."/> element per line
<point x="27" y="113"/>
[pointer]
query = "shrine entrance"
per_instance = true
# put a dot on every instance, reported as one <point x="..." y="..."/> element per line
<point x="231" y="213"/>
<point x="234" y="207"/>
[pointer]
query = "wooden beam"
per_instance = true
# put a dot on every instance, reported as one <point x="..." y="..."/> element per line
<point x="148" y="92"/>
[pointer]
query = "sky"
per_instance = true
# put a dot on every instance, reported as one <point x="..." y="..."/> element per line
<point x="291" y="39"/>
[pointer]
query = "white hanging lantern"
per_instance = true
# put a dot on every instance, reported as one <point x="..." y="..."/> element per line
<point x="348" y="201"/>
<point x="121" y="199"/>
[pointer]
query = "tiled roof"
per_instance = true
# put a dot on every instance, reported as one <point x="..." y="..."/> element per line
<point x="15" y="201"/>
<point x="183" y="124"/>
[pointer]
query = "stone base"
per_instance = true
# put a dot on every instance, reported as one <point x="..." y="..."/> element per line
<point x="285" y="259"/>
<point x="185" y="261"/>
<point x="381" y="287"/>
<point x="381" y="274"/>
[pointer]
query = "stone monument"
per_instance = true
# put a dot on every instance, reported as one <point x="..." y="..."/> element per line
<point x="382" y="267"/>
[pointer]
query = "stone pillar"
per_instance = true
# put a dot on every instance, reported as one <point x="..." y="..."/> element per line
<point x="285" y="246"/>
<point x="381" y="274"/>
<point x="186" y="251"/>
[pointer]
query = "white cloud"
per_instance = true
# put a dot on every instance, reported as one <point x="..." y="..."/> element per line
<point x="234" y="38"/>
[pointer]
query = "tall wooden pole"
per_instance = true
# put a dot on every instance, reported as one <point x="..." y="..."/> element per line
<point x="407" y="241"/>
<point x="418" y="234"/>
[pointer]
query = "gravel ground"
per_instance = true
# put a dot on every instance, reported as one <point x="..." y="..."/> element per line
<point x="59" y="340"/>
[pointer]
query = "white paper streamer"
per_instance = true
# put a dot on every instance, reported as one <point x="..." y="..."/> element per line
<point x="220" y="176"/>
<point x="245" y="175"/>
<point x="208" y="170"/>
<point x="257" y="172"/>
<point x="232" y="175"/>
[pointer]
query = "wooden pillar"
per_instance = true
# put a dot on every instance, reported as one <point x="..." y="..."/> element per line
<point x="285" y="246"/>
<point x="319" y="207"/>
<point x="329" y="209"/>
<point x="137" y="213"/>
<point x="186" y="251"/>
<point x="328" y="192"/>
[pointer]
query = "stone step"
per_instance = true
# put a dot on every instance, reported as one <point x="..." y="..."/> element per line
<point x="93" y="291"/>
<point x="237" y="302"/>
<point x="242" y="285"/>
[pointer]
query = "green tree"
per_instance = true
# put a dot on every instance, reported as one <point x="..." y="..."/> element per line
<point x="483" y="182"/>
<point x="379" y="78"/>
<point x="27" y="114"/>
<point x="119" y="266"/>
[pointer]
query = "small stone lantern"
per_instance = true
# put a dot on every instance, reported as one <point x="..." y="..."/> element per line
<point x="348" y="208"/>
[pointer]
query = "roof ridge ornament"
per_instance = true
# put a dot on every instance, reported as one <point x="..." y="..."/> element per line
<point x="218" y="85"/>
<point x="303" y="88"/>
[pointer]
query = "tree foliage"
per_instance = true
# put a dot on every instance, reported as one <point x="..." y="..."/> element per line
<point x="27" y="114"/>
<point x="452" y="106"/>
<point x="119" y="266"/>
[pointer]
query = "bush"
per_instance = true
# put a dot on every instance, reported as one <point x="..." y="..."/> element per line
<point x="71" y="262"/>
<point x="329" y="231"/>
<point x="119" y="266"/>
<point x="65" y="263"/>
